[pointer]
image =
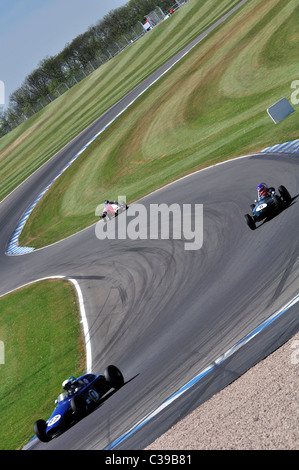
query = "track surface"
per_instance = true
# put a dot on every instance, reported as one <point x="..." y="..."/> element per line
<point x="160" y="313"/>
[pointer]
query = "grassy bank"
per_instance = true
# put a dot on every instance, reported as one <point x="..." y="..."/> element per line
<point x="25" y="148"/>
<point x="43" y="345"/>
<point x="208" y="108"/>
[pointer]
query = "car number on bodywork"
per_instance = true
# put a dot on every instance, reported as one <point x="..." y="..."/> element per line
<point x="93" y="395"/>
<point x="54" y="420"/>
<point x="261" y="207"/>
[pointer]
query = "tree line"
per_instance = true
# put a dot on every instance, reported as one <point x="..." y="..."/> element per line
<point x="86" y="52"/>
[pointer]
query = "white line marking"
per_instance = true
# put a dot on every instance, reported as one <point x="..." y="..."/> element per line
<point x="85" y="325"/>
<point x="81" y="309"/>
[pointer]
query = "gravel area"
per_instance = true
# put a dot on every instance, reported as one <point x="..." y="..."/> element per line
<point x="259" y="411"/>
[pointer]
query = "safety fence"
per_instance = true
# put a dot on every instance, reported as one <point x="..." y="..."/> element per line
<point x="151" y="20"/>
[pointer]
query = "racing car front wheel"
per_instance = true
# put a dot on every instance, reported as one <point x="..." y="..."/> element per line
<point x="114" y="376"/>
<point x="250" y="221"/>
<point x="40" y="427"/>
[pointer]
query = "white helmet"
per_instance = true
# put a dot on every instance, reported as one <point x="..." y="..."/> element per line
<point x="66" y="384"/>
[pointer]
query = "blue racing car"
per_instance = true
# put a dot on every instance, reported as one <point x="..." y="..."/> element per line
<point x="80" y="396"/>
<point x="269" y="203"/>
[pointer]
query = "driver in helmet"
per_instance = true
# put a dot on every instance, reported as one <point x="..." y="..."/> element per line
<point x="108" y="203"/>
<point x="69" y="385"/>
<point x="262" y="191"/>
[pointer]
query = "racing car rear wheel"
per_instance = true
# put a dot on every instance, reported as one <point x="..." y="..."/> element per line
<point x="284" y="193"/>
<point x="277" y="201"/>
<point x="250" y="221"/>
<point x="40" y="427"/>
<point x="123" y="206"/>
<point x="79" y="406"/>
<point x="114" y="376"/>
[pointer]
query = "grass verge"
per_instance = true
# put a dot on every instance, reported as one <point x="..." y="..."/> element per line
<point x="32" y="143"/>
<point x="210" y="107"/>
<point x="43" y="345"/>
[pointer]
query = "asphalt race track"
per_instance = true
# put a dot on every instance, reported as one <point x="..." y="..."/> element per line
<point x="161" y="313"/>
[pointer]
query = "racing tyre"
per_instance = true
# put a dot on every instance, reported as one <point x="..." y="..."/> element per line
<point x="79" y="406"/>
<point x="40" y="427"/>
<point x="114" y="376"/>
<point x="277" y="201"/>
<point x="250" y="221"/>
<point x="284" y="193"/>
